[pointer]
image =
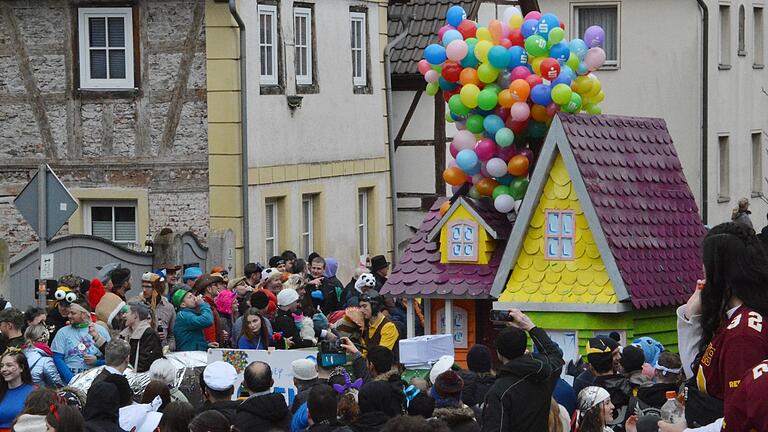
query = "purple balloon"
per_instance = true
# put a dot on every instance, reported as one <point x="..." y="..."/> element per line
<point x="594" y="36"/>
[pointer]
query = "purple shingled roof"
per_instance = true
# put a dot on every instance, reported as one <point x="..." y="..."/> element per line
<point x="419" y="272"/>
<point x="646" y="209"/>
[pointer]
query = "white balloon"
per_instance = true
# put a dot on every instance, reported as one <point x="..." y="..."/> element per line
<point x="504" y="203"/>
<point x="509" y="12"/>
<point x="496" y="167"/>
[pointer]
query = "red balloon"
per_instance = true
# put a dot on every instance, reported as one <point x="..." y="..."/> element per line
<point x="533" y="80"/>
<point x="516" y="37"/>
<point x="452" y="71"/>
<point x="516" y="127"/>
<point x="549" y="68"/>
<point x="467" y="28"/>
<point x="447" y="95"/>
<point x="501" y="112"/>
<point x="562" y="25"/>
<point x="506" y="43"/>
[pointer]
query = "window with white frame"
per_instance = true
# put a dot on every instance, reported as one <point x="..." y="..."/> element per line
<point x="757" y="49"/>
<point x="358" y="34"/>
<point x="742" y="36"/>
<point x="725" y="36"/>
<point x="724" y="172"/>
<point x="362" y="221"/>
<point x="757" y="163"/>
<point x="307" y="224"/>
<point x="268" y="45"/>
<point x="462" y="240"/>
<point x="271" y="228"/>
<point x="106" y="48"/>
<point x="302" y="31"/>
<point x="605" y="16"/>
<point x="559" y="237"/>
<point x="112" y="220"/>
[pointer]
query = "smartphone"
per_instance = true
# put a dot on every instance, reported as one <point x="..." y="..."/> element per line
<point x="501" y="315"/>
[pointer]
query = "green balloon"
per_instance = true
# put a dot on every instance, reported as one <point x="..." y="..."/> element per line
<point x="475" y="123"/>
<point x="517" y="188"/>
<point x="536" y="45"/>
<point x="432" y="89"/>
<point x="501" y="190"/>
<point x="493" y="87"/>
<point x="573" y="105"/>
<point x="561" y="94"/>
<point x="573" y="61"/>
<point x="593" y="108"/>
<point x="456" y="107"/>
<point x="487" y="100"/>
<point x="473" y="193"/>
<point x="555" y="36"/>
<point x="471" y="41"/>
<point x="505" y="137"/>
<point x="448" y="117"/>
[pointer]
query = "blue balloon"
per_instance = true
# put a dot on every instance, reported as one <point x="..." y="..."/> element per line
<point x="565" y="77"/>
<point x="435" y="54"/>
<point x="467" y="159"/>
<point x="446" y="85"/>
<point x="540" y="94"/>
<point x="450" y="36"/>
<point x="517" y="57"/>
<point x="505" y="180"/>
<point x="455" y="15"/>
<point x="492" y="124"/>
<point x="473" y="170"/>
<point x="529" y="27"/>
<point x="547" y="22"/>
<point x="578" y="47"/>
<point x="560" y="52"/>
<point x="582" y="69"/>
<point x="457" y="117"/>
<point x="498" y="57"/>
<point x="470" y="60"/>
<point x="482" y="112"/>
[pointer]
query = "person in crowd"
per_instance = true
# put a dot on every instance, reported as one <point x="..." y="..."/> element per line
<point x="121" y="281"/>
<point x="36" y="406"/>
<point x="207" y="286"/>
<point x="379" y="330"/>
<point x="632" y="360"/>
<point x="116" y="359"/>
<point x="520" y="397"/>
<point x="271" y="281"/>
<point x="109" y="312"/>
<point x="193" y="316"/>
<point x="586" y="378"/>
<point x="595" y="410"/>
<point x="329" y="276"/>
<point x="379" y="401"/>
<point x="277" y="262"/>
<point x="64" y="418"/>
<point x="322" y="406"/>
<point x="347" y="391"/>
<point x="177" y="416"/>
<point x="240" y="287"/>
<point x="252" y="272"/>
<point x="256" y="334"/>
<point x="285" y="323"/>
<point x="259" y="301"/>
<point x="78" y="346"/>
<point x="362" y="283"/>
<point x="15" y="386"/>
<point x="34" y="315"/>
<point x="163" y="370"/>
<point x="146" y="346"/>
<point x="155" y="389"/>
<point x="263" y="410"/>
<point x="58" y="317"/>
<point x="414" y="424"/>
<point x="101" y="408"/>
<point x="559" y="420"/>
<point x="448" y="406"/>
<point x="419" y="403"/>
<point x="565" y="396"/>
<point x="741" y="213"/>
<point x="380" y="270"/>
<point x="305" y="378"/>
<point x="300" y="268"/>
<point x="190" y="276"/>
<point x="40" y="357"/>
<point x="210" y="421"/>
<point x="478" y="377"/>
<point x="217" y="382"/>
<point x="398" y="314"/>
<point x="162" y="314"/>
<point x="600" y="359"/>
<point x="669" y="376"/>
<point x="11" y="324"/>
<point x="377" y="365"/>
<point x="228" y="308"/>
<point x="289" y="257"/>
<point x="325" y="292"/>
<point x="170" y="273"/>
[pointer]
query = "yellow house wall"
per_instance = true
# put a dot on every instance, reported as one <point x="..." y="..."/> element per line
<point x="485" y="244"/>
<point x="536" y="279"/>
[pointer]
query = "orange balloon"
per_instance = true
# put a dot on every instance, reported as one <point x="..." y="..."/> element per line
<point x="506" y="99"/>
<point x="496" y="30"/>
<point x="518" y="166"/>
<point x="469" y="76"/>
<point x="444" y="207"/>
<point x="520" y="90"/>
<point x="485" y="186"/>
<point x="454" y="176"/>
<point x="539" y="113"/>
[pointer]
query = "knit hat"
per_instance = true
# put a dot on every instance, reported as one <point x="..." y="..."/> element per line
<point x="120" y="276"/>
<point x="96" y="292"/>
<point x="304" y="369"/>
<point x="511" y="342"/>
<point x="287" y="296"/>
<point x="443" y="364"/>
<point x="177" y="297"/>
<point x="259" y="300"/>
<point x="479" y="359"/>
<point x="276" y="261"/>
<point x="192" y="273"/>
<point x="632" y="359"/>
<point x="108" y="308"/>
<point x="591" y="396"/>
<point x="449" y="383"/>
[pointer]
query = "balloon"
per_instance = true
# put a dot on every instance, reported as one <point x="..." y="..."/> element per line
<point x="533" y="15"/>
<point x="536" y="64"/>
<point x="423" y="66"/>
<point x="487" y="99"/>
<point x="469" y="95"/>
<point x="466" y="160"/>
<point x="492" y="124"/>
<point x="520" y="72"/>
<point x="541" y="94"/>
<point x="595" y="58"/>
<point x="515" y="22"/>
<point x="517" y="57"/>
<point x="519" y="90"/>
<point x="516" y="37"/>
<point x="496" y="167"/>
<point x="454" y="176"/>
<point x="431" y="76"/>
<point x="539" y="113"/>
<point x="485" y="149"/>
<point x="455" y="15"/>
<point x="457" y="107"/>
<point x="509" y="13"/>
<point x="432" y="88"/>
<point x="457" y="50"/>
<point x="443" y="30"/>
<point x="475" y="123"/>
<point x="573" y="105"/>
<point x="487" y="73"/>
<point x="473" y="193"/>
<point x="506" y="99"/>
<point x="506" y="43"/>
<point x="447" y="87"/>
<point x="533" y="80"/>
<point x="469" y="76"/>
<point x="500" y="190"/>
<point x="504" y="203"/>
<point x="504" y="79"/>
<point x="559" y="52"/>
<point x="470" y="60"/>
<point x="561" y="94"/>
<point x="582" y="69"/>
<point x="582" y="85"/>
<point x="535" y="45"/>
<point x="518" y="166"/>
<point x="493" y="87"/>
<point x="504" y="137"/>
<point x="485" y="186"/>
<point x="467" y="28"/>
<point x="518" y="187"/>
<point x="556" y="35"/>
<point x="578" y="47"/>
<point x="452" y="72"/>
<point x="552" y="109"/>
<point x="599" y="98"/>
<point x="593" y="108"/>
<point x="464" y="140"/>
<point x="516" y="126"/>
<point x="506" y="179"/>
<point x="502" y="112"/>
<point x="549" y="68"/>
<point x="494" y="27"/>
<point x="481" y="50"/>
<point x="444" y="207"/>
<point x="435" y="54"/>
<point x="519" y="111"/>
<point x="546" y="23"/>
<point x="498" y="57"/>
<point x="450" y="36"/>
<point x="528" y="154"/>
<point x="483" y="34"/>
<point x="528" y="28"/>
<point x="594" y="36"/>
<point x="573" y="61"/>
<point x="537" y="129"/>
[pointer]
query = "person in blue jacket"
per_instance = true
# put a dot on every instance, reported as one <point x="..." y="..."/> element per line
<point x="193" y="315"/>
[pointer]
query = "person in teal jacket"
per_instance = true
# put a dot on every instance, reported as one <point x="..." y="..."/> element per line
<point x="193" y="315"/>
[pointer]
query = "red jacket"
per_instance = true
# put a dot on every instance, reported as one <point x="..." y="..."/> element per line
<point x="746" y="408"/>
<point x="213" y="332"/>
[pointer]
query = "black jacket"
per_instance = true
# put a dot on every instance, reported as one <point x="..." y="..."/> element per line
<point x="148" y="348"/>
<point x="459" y="419"/>
<point x="620" y="389"/>
<point x="475" y="387"/>
<point x="101" y="408"/>
<point x="370" y="422"/>
<point x="303" y="395"/>
<point x="265" y="412"/>
<point x="330" y="301"/>
<point x="582" y="381"/>
<point x="520" y="398"/>
<point x="285" y="324"/>
<point x="332" y="427"/>
<point x="228" y="408"/>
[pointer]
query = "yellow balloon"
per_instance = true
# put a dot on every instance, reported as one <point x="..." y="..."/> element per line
<point x="482" y="48"/>
<point x="582" y="85"/>
<point x="536" y="64"/>
<point x="516" y="21"/>
<point x="487" y="73"/>
<point x="469" y="95"/>
<point x="596" y="87"/>
<point x="599" y="97"/>
<point x="483" y="34"/>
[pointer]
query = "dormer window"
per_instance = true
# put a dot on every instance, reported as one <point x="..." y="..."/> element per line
<point x="462" y="240"/>
<point x="559" y="235"/>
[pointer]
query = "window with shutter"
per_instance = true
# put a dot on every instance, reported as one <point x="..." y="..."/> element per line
<point x="605" y="15"/>
<point x="462" y="240"/>
<point x="106" y="48"/>
<point x="271" y="229"/>
<point x="362" y="221"/>
<point x="114" y="221"/>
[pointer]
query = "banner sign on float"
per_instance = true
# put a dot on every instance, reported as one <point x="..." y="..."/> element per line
<point x="279" y="360"/>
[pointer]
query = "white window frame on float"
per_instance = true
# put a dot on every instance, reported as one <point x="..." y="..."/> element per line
<point x="458" y="230"/>
<point x="560" y="231"/>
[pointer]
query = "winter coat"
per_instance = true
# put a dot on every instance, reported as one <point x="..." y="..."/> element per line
<point x="41" y="365"/>
<point x="165" y="317"/>
<point x="330" y="299"/>
<point x="285" y="324"/>
<point x="458" y="419"/>
<point x="102" y="408"/>
<point x="475" y="387"/>
<point x="213" y="332"/>
<point x="55" y="320"/>
<point x="370" y="422"/>
<point x="303" y="395"/>
<point x="228" y="408"/>
<point x="620" y="390"/>
<point x="264" y="412"/>
<point x="145" y="345"/>
<point x="520" y="399"/>
<point x="329" y="427"/>
<point x="189" y="328"/>
<point x="582" y="381"/>
<point x="30" y="423"/>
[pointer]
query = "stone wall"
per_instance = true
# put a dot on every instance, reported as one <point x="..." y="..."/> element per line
<point x="153" y="137"/>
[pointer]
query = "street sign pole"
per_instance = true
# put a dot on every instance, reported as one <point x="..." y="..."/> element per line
<point x="42" y="228"/>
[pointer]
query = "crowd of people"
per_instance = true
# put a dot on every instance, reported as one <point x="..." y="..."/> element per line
<point x="717" y="376"/>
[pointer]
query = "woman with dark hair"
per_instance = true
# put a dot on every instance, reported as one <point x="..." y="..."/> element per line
<point x="36" y="407"/>
<point x="210" y="421"/>
<point x="34" y="315"/>
<point x="595" y="410"/>
<point x="64" y="418"/>
<point x="15" y="386"/>
<point x="156" y="388"/>
<point x="255" y="334"/>
<point x="177" y="416"/>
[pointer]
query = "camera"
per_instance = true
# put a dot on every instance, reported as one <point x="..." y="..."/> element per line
<point x="501" y="315"/>
<point x="331" y="354"/>
<point x="331" y="347"/>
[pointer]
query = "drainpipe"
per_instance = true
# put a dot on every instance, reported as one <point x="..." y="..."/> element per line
<point x="391" y="129"/>
<point x="704" y="109"/>
<point x="243" y="130"/>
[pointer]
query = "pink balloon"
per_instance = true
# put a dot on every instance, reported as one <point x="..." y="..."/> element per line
<point x="534" y="15"/>
<point x="424" y="66"/>
<point x="553" y="109"/>
<point x="452" y="164"/>
<point x="595" y="58"/>
<point x="457" y="50"/>
<point x="485" y="149"/>
<point x="431" y="76"/>
<point x="444" y="29"/>
<point x="520" y="72"/>
<point x="454" y="151"/>
<point x="496" y="167"/>
<point x="508" y="153"/>
<point x="464" y="140"/>
<point x="504" y="29"/>
<point x="484" y="170"/>
<point x="502" y="112"/>
<point x="519" y="111"/>
<point x="527" y="153"/>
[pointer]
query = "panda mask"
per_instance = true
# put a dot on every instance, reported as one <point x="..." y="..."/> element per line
<point x="366" y="280"/>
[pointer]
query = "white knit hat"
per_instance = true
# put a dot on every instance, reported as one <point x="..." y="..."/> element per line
<point x="287" y="296"/>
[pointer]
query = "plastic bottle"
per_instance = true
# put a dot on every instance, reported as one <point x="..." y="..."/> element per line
<point x="672" y="410"/>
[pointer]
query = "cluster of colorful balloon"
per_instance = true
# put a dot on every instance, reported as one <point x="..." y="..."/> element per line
<point x="503" y="84"/>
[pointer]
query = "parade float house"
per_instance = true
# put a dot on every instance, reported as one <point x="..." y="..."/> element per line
<point x="607" y="238"/>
